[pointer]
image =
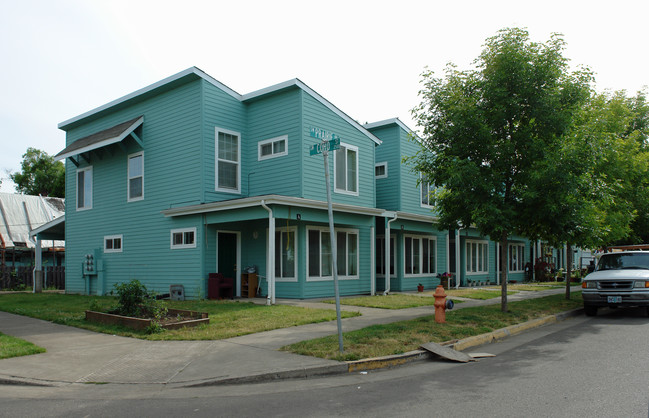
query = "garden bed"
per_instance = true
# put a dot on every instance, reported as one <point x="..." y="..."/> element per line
<point x="175" y="319"/>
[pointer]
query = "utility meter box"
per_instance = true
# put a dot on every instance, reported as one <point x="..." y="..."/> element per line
<point x="89" y="266"/>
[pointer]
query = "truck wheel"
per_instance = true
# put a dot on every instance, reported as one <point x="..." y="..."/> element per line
<point x="592" y="310"/>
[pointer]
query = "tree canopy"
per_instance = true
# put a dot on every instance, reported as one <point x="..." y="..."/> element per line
<point x="40" y="175"/>
<point x="488" y="130"/>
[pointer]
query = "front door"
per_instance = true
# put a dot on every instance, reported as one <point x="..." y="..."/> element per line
<point x="227" y="255"/>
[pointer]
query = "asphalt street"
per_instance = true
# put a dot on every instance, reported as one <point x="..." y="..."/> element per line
<point x="581" y="367"/>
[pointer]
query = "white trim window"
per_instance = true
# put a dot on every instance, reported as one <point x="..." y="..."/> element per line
<point x="228" y="161"/>
<point x="427" y="190"/>
<point x="477" y="257"/>
<point x="272" y="148"/>
<point x="380" y="255"/>
<point x="381" y="170"/>
<point x="319" y="255"/>
<point x="113" y="244"/>
<point x="84" y="188"/>
<point x="346" y="169"/>
<point x="135" y="184"/>
<point x="286" y="254"/>
<point x="420" y="255"/>
<point x="183" y="238"/>
<point x="516" y="258"/>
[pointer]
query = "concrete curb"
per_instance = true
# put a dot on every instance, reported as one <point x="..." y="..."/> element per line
<point x="396" y="359"/>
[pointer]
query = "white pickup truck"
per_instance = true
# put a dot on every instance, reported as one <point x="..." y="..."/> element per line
<point x="619" y="279"/>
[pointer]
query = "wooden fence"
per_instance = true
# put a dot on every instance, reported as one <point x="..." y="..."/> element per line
<point x="21" y="277"/>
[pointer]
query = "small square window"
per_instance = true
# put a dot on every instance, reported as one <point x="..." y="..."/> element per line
<point x="183" y="238"/>
<point x="381" y="170"/>
<point x="113" y="244"/>
<point x="272" y="148"/>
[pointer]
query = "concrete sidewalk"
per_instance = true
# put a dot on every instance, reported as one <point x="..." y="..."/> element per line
<point x="79" y="356"/>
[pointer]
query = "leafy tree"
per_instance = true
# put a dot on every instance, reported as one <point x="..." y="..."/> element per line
<point x="40" y="175"/>
<point x="487" y="130"/>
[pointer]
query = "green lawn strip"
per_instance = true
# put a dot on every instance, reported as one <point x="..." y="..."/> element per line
<point x="394" y="301"/>
<point x="15" y="347"/>
<point x="227" y="318"/>
<point x="481" y="294"/>
<point x="527" y="287"/>
<point x="404" y="336"/>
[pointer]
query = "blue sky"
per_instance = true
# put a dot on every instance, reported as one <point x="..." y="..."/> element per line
<point x="63" y="58"/>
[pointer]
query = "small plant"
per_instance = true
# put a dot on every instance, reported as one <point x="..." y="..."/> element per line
<point x="94" y="305"/>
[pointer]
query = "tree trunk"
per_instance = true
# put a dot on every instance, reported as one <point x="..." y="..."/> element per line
<point x="568" y="269"/>
<point x="504" y="249"/>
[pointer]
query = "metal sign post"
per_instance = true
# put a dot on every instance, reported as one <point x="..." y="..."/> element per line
<point x="324" y="147"/>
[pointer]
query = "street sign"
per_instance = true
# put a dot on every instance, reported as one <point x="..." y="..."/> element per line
<point x="320" y="147"/>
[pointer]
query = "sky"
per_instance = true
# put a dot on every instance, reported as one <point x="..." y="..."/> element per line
<point x="62" y="58"/>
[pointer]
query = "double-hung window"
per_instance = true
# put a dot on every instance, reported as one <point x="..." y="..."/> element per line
<point x="427" y="189"/>
<point x="346" y="169"/>
<point x="516" y="257"/>
<point x="135" y="176"/>
<point x="84" y="188"/>
<point x="477" y="256"/>
<point x="285" y="256"/>
<point x="320" y="259"/>
<point x="420" y="255"/>
<point x="228" y="161"/>
<point x="271" y="148"/>
<point x="113" y="244"/>
<point x="183" y="238"/>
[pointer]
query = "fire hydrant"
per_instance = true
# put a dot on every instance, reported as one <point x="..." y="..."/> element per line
<point x="441" y="305"/>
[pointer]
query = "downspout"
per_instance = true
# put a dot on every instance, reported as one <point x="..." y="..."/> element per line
<point x="270" y="268"/>
<point x="387" y="254"/>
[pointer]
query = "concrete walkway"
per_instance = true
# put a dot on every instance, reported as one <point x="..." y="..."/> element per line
<point x="79" y="356"/>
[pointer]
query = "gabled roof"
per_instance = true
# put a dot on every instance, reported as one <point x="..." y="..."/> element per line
<point x="19" y="214"/>
<point x="392" y="121"/>
<point x="194" y="73"/>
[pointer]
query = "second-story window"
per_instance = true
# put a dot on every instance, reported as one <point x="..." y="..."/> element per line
<point x="136" y="176"/>
<point x="271" y="148"/>
<point x="427" y="197"/>
<point x="228" y="161"/>
<point x="84" y="188"/>
<point x="346" y="169"/>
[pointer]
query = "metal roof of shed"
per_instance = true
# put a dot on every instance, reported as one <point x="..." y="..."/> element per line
<point x="19" y="214"/>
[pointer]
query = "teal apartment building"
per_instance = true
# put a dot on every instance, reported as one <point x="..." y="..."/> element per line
<point x="187" y="177"/>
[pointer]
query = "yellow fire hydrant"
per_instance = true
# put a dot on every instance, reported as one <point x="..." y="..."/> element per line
<point x="441" y="305"/>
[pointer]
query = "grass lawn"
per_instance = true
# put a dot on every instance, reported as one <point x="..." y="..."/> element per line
<point x="404" y="336"/>
<point x="481" y="293"/>
<point x="227" y="318"/>
<point x="395" y="301"/>
<point x="15" y="347"/>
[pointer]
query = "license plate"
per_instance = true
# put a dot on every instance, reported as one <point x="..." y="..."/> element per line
<point x="614" y="299"/>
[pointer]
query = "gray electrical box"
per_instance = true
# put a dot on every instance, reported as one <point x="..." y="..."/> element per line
<point x="177" y="292"/>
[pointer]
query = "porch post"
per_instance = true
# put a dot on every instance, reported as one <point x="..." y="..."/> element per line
<point x="271" y="262"/>
<point x="38" y="270"/>
<point x="372" y="261"/>
<point x="387" y="257"/>
<point x="457" y="258"/>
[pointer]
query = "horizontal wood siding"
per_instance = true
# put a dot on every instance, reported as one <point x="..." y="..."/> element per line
<point x="271" y="117"/>
<point x="313" y="183"/>
<point x="226" y="112"/>
<point x="171" y="134"/>
<point x="388" y="189"/>
<point x="410" y="190"/>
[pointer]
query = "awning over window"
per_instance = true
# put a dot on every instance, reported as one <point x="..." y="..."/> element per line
<point x="101" y="139"/>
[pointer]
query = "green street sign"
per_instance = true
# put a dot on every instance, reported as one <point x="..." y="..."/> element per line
<point x="320" y="147"/>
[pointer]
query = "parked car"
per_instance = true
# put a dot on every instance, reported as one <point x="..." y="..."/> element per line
<point x="619" y="279"/>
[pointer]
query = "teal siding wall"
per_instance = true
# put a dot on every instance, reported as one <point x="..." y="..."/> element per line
<point x="315" y="114"/>
<point x="271" y="117"/>
<point x="221" y="110"/>
<point x="172" y="144"/>
<point x="387" y="189"/>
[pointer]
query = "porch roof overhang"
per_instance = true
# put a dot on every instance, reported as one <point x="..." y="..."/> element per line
<point x="112" y="135"/>
<point x="54" y="230"/>
<point x="407" y="216"/>
<point x="247" y="202"/>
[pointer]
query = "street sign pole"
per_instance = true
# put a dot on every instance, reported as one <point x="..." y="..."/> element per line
<point x="334" y="256"/>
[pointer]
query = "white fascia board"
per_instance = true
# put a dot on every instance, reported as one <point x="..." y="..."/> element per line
<point x="191" y="70"/>
<point x="417" y="217"/>
<point x="298" y="83"/>
<point x="391" y="121"/>
<point x="268" y="200"/>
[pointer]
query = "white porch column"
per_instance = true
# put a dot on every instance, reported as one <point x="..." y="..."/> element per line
<point x="457" y="258"/>
<point x="372" y="261"/>
<point x="38" y="270"/>
<point x="270" y="261"/>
